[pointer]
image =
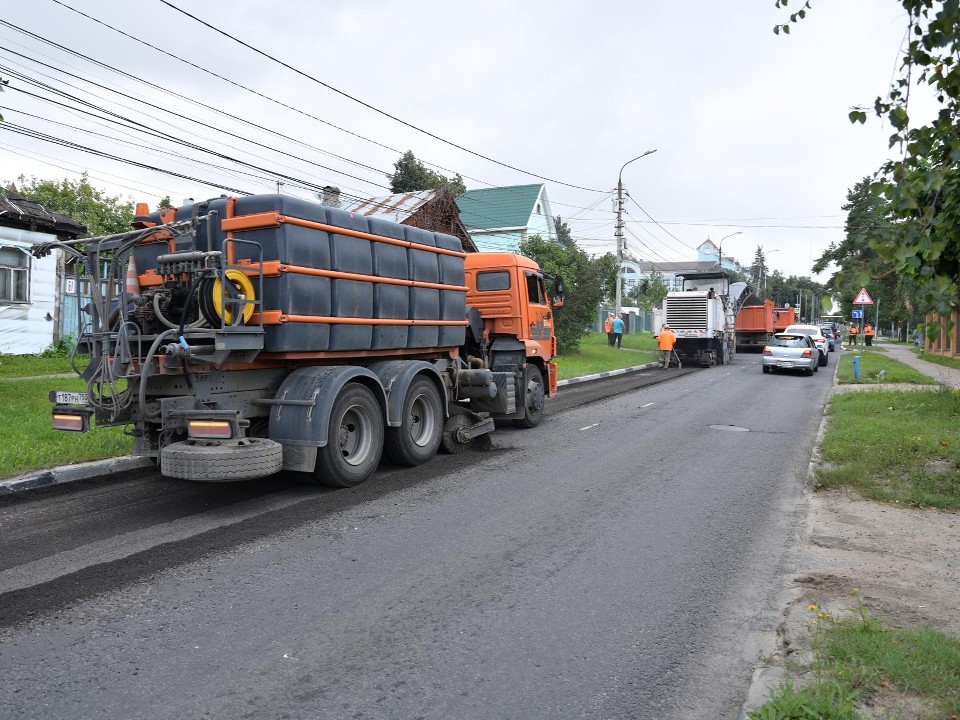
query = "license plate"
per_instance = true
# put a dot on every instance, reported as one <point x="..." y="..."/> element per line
<point x="62" y="397"/>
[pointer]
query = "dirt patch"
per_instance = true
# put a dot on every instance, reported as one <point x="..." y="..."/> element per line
<point x="903" y="562"/>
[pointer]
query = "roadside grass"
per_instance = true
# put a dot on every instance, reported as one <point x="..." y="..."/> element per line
<point x="895" y="446"/>
<point x="29" y="365"/>
<point x="939" y="359"/>
<point x="857" y="658"/>
<point x="872" y="363"/>
<point x="595" y="356"/>
<point x="27" y="438"/>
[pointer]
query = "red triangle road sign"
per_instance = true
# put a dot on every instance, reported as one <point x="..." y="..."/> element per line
<point x="863" y="298"/>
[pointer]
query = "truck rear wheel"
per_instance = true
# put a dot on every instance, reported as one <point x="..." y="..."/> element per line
<point x="532" y="398"/>
<point x="226" y="461"/>
<point x="354" y="439"/>
<point x="418" y="437"/>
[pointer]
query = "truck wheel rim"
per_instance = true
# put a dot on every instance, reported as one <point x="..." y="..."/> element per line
<point x="421" y="421"/>
<point x="355" y="437"/>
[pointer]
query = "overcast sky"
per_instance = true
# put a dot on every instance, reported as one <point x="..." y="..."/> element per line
<point x="750" y="128"/>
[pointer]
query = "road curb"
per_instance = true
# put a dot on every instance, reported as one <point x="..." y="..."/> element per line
<point x="72" y="473"/>
<point x="609" y="373"/>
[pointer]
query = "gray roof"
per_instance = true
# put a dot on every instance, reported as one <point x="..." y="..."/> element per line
<point x="20" y="212"/>
<point x="396" y="208"/>
<point x="668" y="268"/>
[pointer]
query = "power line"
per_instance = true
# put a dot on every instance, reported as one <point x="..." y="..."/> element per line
<point x="365" y="104"/>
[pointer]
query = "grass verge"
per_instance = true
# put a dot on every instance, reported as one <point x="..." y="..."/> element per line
<point x="857" y="659"/>
<point x="30" y="365"/>
<point x="28" y="440"/>
<point x="940" y="360"/>
<point x="877" y="368"/>
<point x="595" y="356"/>
<point x="898" y="447"/>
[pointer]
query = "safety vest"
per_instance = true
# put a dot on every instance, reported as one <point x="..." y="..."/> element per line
<point x="666" y="340"/>
<point x="853" y="329"/>
<point x="868" y="330"/>
<point x="608" y="325"/>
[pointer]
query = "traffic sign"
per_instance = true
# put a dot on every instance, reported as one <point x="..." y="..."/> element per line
<point x="863" y="298"/>
<point x="856" y="314"/>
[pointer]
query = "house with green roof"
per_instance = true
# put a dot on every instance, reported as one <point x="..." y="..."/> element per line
<point x="500" y="218"/>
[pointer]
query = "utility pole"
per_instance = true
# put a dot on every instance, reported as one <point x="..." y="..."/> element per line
<point x="618" y="232"/>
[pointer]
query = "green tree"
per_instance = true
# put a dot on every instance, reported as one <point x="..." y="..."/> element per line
<point x="860" y="264"/>
<point x="650" y="292"/>
<point x="921" y="187"/>
<point x="411" y="175"/>
<point x="80" y="201"/>
<point x="588" y="281"/>
<point x="164" y="203"/>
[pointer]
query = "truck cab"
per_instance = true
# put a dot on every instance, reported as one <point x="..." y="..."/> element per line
<point x="510" y="293"/>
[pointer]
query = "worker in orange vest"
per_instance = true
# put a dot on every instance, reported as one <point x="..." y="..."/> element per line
<point x="868" y="335"/>
<point x="608" y="328"/>
<point x="665" y="342"/>
<point x="853" y="334"/>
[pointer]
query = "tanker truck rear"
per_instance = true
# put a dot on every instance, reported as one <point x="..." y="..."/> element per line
<point x="241" y="336"/>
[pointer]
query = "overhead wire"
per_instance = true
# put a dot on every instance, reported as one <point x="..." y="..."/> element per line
<point x="368" y="105"/>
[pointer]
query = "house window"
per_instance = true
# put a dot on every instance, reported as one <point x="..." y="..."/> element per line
<point x="538" y="209"/>
<point x="14" y="275"/>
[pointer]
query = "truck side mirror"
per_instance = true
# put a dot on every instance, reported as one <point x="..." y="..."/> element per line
<point x="559" y="295"/>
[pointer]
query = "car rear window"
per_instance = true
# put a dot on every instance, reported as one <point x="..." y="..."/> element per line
<point x="790" y="341"/>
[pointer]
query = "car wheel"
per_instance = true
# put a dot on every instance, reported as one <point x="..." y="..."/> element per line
<point x="809" y="372"/>
<point x="823" y="360"/>
<point x="816" y="368"/>
<point x="766" y="369"/>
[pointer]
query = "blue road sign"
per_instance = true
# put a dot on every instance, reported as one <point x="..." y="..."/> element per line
<point x="856" y="314"/>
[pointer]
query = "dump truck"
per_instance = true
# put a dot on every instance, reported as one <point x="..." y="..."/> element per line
<point x="239" y="337"/>
<point x="754" y="325"/>
<point x="702" y="315"/>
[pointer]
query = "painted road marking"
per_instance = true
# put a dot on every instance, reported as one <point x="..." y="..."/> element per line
<point x="588" y="427"/>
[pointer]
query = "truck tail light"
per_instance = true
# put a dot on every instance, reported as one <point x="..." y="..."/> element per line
<point x="71" y="422"/>
<point x="210" y="429"/>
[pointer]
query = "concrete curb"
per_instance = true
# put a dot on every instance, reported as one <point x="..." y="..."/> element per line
<point x="71" y="473"/>
<point x="609" y="373"/>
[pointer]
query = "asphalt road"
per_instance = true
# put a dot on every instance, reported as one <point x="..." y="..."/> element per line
<point x="622" y="560"/>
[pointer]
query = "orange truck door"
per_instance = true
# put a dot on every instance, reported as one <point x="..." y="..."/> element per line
<point x="539" y="317"/>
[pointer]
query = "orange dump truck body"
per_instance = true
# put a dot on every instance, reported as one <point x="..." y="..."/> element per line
<point x="755" y="326"/>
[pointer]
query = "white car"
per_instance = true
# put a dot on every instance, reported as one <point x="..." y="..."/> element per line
<point x="816" y="335"/>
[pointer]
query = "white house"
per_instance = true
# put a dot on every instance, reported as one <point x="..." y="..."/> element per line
<point x="29" y="286"/>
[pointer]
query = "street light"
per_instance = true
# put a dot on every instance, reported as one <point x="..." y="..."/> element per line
<point x="763" y="277"/>
<point x="619" y="230"/>
<point x="720" y="248"/>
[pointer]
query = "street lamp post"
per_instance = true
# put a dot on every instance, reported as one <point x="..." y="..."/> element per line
<point x="619" y="230"/>
<point x="720" y="248"/>
<point x="763" y="278"/>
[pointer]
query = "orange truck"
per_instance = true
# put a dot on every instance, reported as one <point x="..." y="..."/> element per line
<point x="756" y="324"/>
<point x="238" y="337"/>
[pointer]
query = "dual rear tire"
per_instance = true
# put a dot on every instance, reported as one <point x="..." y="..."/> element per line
<point x="357" y="437"/>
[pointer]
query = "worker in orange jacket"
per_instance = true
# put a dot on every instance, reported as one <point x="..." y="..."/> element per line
<point x="853" y="334"/>
<point x="868" y="335"/>
<point x="608" y="328"/>
<point x="665" y="342"/>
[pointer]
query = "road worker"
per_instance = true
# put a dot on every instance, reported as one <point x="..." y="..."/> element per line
<point x="852" y="330"/>
<point x="608" y="328"/>
<point x="868" y="334"/>
<point x="665" y="342"/>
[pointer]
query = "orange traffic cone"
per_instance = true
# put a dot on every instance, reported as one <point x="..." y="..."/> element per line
<point x="132" y="280"/>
